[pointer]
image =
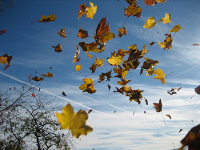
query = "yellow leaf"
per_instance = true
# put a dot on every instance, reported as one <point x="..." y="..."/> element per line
<point x="122" y="31"/>
<point x="121" y="72"/>
<point x="159" y="75"/>
<point x="78" y="67"/>
<point x="88" y="55"/>
<point x="176" y="28"/>
<point x="48" y="18"/>
<point x="91" y="11"/>
<point x="167" y="43"/>
<point x="88" y="46"/>
<point x="149" y="23"/>
<point x="165" y="20"/>
<point x="160" y="1"/>
<point x="76" y="122"/>
<point x="88" y="86"/>
<point x="49" y="74"/>
<point x="123" y="81"/>
<point x="149" y="71"/>
<point x="133" y="10"/>
<point x="38" y="78"/>
<point x="5" y="59"/>
<point x="98" y="62"/>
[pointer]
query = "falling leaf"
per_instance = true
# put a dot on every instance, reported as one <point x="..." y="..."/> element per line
<point x="98" y="62"/>
<point x="169" y="116"/>
<point x="122" y="31"/>
<point x="87" y="86"/>
<point x="115" y="60"/>
<point x="91" y="11"/>
<point x="58" y="48"/>
<point x="62" y="33"/>
<point x="93" y="67"/>
<point x="49" y="74"/>
<point x="48" y="18"/>
<point x="180" y="130"/>
<point x="195" y="44"/>
<point x="109" y="87"/>
<point x="149" y="2"/>
<point x="82" y="10"/>
<point x="63" y="93"/>
<point x="75" y="122"/>
<point x="102" y="76"/>
<point x="192" y="139"/>
<point x="148" y="64"/>
<point x="38" y="78"/>
<point x="167" y="43"/>
<point x="121" y="72"/>
<point x="160" y="1"/>
<point x="78" y="67"/>
<point x="159" y="75"/>
<point x="89" y="111"/>
<point x="2" y="31"/>
<point x="158" y="106"/>
<point x="149" y="23"/>
<point x="103" y="33"/>
<point x="76" y="54"/>
<point x="146" y="101"/>
<point x="197" y="89"/>
<point x="135" y="95"/>
<point x="88" y="55"/>
<point x="82" y="33"/>
<point x="115" y="111"/>
<point x="50" y="67"/>
<point x="165" y="20"/>
<point x="88" y="46"/>
<point x="123" y="81"/>
<point x="152" y="43"/>
<point x="175" y="29"/>
<point x="5" y="59"/>
<point x="133" y="10"/>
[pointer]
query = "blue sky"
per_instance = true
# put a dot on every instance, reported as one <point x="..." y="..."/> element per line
<point x="30" y="44"/>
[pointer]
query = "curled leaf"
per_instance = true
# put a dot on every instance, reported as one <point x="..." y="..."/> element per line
<point x="58" y="48"/>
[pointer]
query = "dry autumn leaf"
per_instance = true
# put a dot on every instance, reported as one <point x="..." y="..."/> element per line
<point x="197" y="90"/>
<point x="149" y="2"/>
<point x="133" y="10"/>
<point x="165" y="20"/>
<point x="93" y="67"/>
<point x="91" y="11"/>
<point x="103" y="33"/>
<point x="121" y="72"/>
<point x="62" y="33"/>
<point x="175" y="29"/>
<point x="82" y="10"/>
<point x="76" y="54"/>
<point x="75" y="122"/>
<point x="82" y="33"/>
<point x="78" y="67"/>
<point x="98" y="62"/>
<point x="38" y="78"/>
<point x="169" y="116"/>
<point x="49" y="74"/>
<point x="88" y="55"/>
<point x="159" y="75"/>
<point x="122" y="31"/>
<point x="123" y="81"/>
<point x="167" y="43"/>
<point x="115" y="60"/>
<point x="158" y="106"/>
<point x="2" y="31"/>
<point x="149" y="23"/>
<point x="196" y="44"/>
<point x="87" y="86"/>
<point x="88" y="46"/>
<point x="5" y="59"/>
<point x="48" y="18"/>
<point x="58" y="48"/>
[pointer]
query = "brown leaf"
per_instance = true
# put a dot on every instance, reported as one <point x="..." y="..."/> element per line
<point x="158" y="106"/>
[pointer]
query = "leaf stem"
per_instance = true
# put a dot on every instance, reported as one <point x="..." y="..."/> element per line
<point x="65" y="140"/>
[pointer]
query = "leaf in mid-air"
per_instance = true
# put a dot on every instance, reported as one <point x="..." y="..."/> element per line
<point x="64" y="94"/>
<point x="159" y="75"/>
<point x="196" y="44"/>
<point x="149" y="2"/>
<point x="48" y="18"/>
<point x="135" y="95"/>
<point x="122" y="31"/>
<point x="133" y="10"/>
<point x="88" y="46"/>
<point x="38" y="78"/>
<point x="82" y="33"/>
<point x="175" y="29"/>
<point x="197" y="90"/>
<point x="115" y="60"/>
<point x="49" y="74"/>
<point x="191" y="139"/>
<point x="158" y="106"/>
<point x="78" y="67"/>
<point x="149" y="23"/>
<point x="5" y="59"/>
<point x="102" y="76"/>
<point x="98" y="62"/>
<point x="160" y="1"/>
<point x="2" y="31"/>
<point x="82" y="10"/>
<point x="123" y="81"/>
<point x="62" y="33"/>
<point x="91" y="11"/>
<point x="87" y="86"/>
<point x="58" y="48"/>
<point x="165" y="20"/>
<point x="169" y="116"/>
<point x="103" y="33"/>
<point x="93" y="67"/>
<point x="121" y="72"/>
<point x="76" y="54"/>
<point x="167" y="43"/>
<point x="75" y="122"/>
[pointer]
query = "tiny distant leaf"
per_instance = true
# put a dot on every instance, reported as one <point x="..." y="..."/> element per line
<point x="82" y="10"/>
<point x="58" y="48"/>
<point x="195" y="44"/>
<point x="48" y="18"/>
<point x="93" y="67"/>
<point x="122" y="31"/>
<point x="167" y="43"/>
<point x="169" y="116"/>
<point x="38" y="78"/>
<point x="133" y="10"/>
<point x="5" y="59"/>
<point x="82" y="33"/>
<point x="149" y="2"/>
<point x="165" y="20"/>
<point x="158" y="106"/>
<point x="62" y="33"/>
<point x="49" y="74"/>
